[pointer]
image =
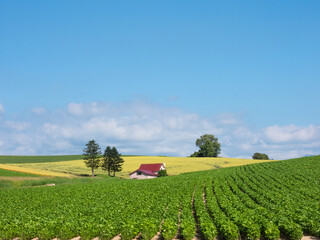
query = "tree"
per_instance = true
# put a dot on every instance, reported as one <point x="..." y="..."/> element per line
<point x="112" y="161"/>
<point x="209" y="146"/>
<point x="162" y="173"/>
<point x="91" y="155"/>
<point x="107" y="160"/>
<point x="260" y="156"/>
<point x="117" y="161"/>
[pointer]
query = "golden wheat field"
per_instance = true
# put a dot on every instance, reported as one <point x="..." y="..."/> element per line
<point x="174" y="165"/>
<point x="37" y="171"/>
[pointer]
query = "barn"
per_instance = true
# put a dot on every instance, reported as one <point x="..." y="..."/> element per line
<point x="146" y="171"/>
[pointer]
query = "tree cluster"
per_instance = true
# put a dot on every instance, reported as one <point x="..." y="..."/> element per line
<point x="260" y="156"/>
<point x="111" y="161"/>
<point x="209" y="146"/>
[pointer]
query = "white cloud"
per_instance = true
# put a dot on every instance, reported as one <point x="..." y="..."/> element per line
<point x="39" y="110"/>
<point x="75" y="108"/>
<point x="292" y="133"/>
<point x="1" y="108"/>
<point x="18" y="126"/>
<point x="228" y="119"/>
<point x="148" y="128"/>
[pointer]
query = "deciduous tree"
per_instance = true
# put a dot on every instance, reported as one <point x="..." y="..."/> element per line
<point x="209" y="146"/>
<point x="261" y="156"/>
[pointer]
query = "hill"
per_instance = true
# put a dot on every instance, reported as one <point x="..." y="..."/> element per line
<point x="258" y="201"/>
<point x="50" y="166"/>
<point x="37" y="159"/>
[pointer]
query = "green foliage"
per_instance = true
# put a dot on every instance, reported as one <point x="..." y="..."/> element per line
<point x="117" y="161"/>
<point x="91" y="155"/>
<point x="262" y="200"/>
<point x="38" y="159"/>
<point x="271" y="231"/>
<point x="6" y="184"/>
<point x="107" y="160"/>
<point x="209" y="146"/>
<point x="8" y="173"/>
<point x="260" y="156"/>
<point x="112" y="161"/>
<point x="162" y="173"/>
<point x="207" y="228"/>
<point x="169" y="229"/>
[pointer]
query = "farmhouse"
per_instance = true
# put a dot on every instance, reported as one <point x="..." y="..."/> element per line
<point x="146" y="171"/>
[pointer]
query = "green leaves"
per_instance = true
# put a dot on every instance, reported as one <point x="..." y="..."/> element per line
<point x="209" y="146"/>
<point x="91" y="155"/>
<point x="169" y="229"/>
<point x="261" y="156"/>
<point x="112" y="160"/>
<point x="264" y="200"/>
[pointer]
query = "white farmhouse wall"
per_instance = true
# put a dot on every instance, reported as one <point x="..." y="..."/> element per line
<point x="142" y="176"/>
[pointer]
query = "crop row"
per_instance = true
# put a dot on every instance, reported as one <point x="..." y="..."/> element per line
<point x="267" y="200"/>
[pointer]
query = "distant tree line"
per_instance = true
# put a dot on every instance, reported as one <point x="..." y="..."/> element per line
<point x="111" y="161"/>
<point x="209" y="146"/>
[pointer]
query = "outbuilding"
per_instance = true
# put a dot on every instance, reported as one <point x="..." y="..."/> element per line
<point x="146" y="171"/>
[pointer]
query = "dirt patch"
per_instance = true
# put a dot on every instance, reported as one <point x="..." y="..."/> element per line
<point x="118" y="237"/>
<point x="157" y="237"/>
<point x="309" y="238"/>
<point x="76" y="238"/>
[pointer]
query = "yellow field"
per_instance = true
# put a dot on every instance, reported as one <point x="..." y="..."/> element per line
<point x="37" y="171"/>
<point x="174" y="165"/>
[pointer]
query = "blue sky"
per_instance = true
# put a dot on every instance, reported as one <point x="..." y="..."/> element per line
<point x="159" y="74"/>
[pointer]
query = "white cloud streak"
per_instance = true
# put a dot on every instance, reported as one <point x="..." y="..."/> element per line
<point x="147" y="128"/>
<point x="1" y="109"/>
<point x="292" y="133"/>
<point x="18" y="126"/>
<point x="38" y="110"/>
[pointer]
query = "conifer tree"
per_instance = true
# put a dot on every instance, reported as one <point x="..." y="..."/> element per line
<point x="117" y="161"/>
<point x="112" y="161"/>
<point x="107" y="161"/>
<point x="91" y="155"/>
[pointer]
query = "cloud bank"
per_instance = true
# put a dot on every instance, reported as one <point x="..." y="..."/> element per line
<point x="148" y="129"/>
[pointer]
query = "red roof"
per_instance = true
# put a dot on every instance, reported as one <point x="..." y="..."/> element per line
<point x="149" y="169"/>
<point x="148" y="172"/>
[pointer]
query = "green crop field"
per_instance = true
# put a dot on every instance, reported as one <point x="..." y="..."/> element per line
<point x="258" y="201"/>
<point x="37" y="159"/>
<point x="8" y="173"/>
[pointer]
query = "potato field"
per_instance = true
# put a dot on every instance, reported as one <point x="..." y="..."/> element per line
<point x="258" y="201"/>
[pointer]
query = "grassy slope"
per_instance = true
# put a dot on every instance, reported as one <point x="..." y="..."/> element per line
<point x="10" y="179"/>
<point x="8" y="173"/>
<point x="37" y="159"/>
<point x="174" y="165"/>
<point x="78" y="198"/>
